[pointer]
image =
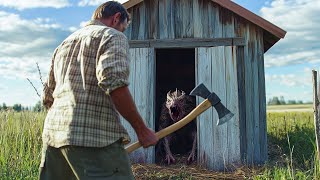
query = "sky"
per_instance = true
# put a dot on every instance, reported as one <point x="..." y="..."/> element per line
<point x="31" y="30"/>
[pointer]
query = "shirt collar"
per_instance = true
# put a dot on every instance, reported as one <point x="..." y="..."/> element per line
<point x="95" y="22"/>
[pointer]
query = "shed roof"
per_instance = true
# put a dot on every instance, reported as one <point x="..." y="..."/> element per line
<point x="243" y="12"/>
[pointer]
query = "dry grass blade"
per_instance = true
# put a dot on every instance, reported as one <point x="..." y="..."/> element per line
<point x="34" y="87"/>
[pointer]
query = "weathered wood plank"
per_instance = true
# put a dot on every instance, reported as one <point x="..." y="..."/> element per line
<point x="233" y="131"/>
<point x="205" y="122"/>
<point x="262" y="98"/>
<point x="141" y="75"/>
<point x="125" y="123"/>
<point x="177" y="18"/>
<point x="186" y="12"/>
<point x="242" y="102"/>
<point x="163" y="19"/>
<point x="142" y="23"/>
<point x="151" y="17"/>
<point x="254" y="34"/>
<point x="210" y="28"/>
<point x="218" y="79"/>
<point x="249" y="99"/>
<point x="187" y="42"/>
<point x="233" y="128"/>
<point x="171" y="19"/>
<point x="204" y="18"/>
<point x="148" y="94"/>
<point x="197" y="27"/>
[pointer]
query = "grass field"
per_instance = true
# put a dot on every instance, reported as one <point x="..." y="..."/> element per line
<point x="290" y="136"/>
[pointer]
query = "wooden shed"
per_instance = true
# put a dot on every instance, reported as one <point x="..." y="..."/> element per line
<point x="182" y="43"/>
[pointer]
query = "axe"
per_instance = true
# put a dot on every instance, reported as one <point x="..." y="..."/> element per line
<point x="211" y="99"/>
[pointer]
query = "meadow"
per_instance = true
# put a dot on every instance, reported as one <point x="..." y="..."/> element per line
<point x="291" y="145"/>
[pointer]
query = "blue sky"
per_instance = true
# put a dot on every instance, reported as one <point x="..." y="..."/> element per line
<point x="30" y="31"/>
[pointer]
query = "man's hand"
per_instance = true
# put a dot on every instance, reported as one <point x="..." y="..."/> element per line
<point x="147" y="137"/>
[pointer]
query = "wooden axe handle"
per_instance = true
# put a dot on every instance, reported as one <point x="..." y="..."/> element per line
<point x="176" y="126"/>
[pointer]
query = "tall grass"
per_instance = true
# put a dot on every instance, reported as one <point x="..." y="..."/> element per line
<point x="292" y="149"/>
<point x="20" y="144"/>
<point x="291" y="142"/>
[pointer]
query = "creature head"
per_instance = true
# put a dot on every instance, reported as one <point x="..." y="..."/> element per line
<point x="176" y="104"/>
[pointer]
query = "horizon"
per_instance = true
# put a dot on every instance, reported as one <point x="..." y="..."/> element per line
<point x="31" y="31"/>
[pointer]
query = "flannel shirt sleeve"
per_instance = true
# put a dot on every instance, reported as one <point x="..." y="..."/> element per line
<point x="49" y="86"/>
<point x="113" y="65"/>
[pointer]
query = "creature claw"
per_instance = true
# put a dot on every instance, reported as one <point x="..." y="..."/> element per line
<point x="191" y="158"/>
<point x="170" y="159"/>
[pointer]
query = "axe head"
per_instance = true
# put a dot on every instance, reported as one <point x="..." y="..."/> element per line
<point x="223" y="113"/>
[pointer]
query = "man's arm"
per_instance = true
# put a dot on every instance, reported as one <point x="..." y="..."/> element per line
<point x="49" y="86"/>
<point x="125" y="105"/>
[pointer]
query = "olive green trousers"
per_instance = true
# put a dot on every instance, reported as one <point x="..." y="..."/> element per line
<point x="74" y="162"/>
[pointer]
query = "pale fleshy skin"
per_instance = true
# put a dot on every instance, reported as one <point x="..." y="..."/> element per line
<point x="177" y="106"/>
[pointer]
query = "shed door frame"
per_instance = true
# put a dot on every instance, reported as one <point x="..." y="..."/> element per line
<point x="147" y="47"/>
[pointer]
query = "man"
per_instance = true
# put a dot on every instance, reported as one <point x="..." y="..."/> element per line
<point x="86" y="88"/>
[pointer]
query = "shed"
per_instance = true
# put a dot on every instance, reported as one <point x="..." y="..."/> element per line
<point x="182" y="43"/>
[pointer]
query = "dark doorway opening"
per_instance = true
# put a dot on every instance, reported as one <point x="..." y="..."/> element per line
<point x="175" y="69"/>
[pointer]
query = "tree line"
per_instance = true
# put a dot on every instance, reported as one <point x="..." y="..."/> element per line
<point x="38" y="107"/>
<point x="281" y="101"/>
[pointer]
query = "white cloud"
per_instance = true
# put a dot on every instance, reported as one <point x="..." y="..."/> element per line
<point x="95" y="2"/>
<point x="289" y="80"/>
<point x="27" y="4"/>
<point x="301" y="21"/>
<point x="23" y="43"/>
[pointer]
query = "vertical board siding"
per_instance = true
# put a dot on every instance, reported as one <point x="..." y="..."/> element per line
<point x="255" y="150"/>
<point x="218" y="147"/>
<point x="233" y="128"/>
<point x="205" y="122"/>
<point x="262" y="98"/>
<point x="256" y="105"/>
<point x="142" y="89"/>
<point x="219" y="87"/>
<point x="242" y="103"/>
<point x="174" y="19"/>
<point x="151" y="17"/>
<point x="245" y="90"/>
<point x="249" y="101"/>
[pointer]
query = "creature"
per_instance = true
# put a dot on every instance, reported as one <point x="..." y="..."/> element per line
<point x="176" y="107"/>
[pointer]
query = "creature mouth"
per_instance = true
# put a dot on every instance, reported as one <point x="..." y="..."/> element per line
<point x="174" y="113"/>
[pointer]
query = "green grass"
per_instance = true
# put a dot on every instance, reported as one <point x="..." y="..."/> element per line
<point x="292" y="147"/>
<point x="290" y="135"/>
<point x="20" y="141"/>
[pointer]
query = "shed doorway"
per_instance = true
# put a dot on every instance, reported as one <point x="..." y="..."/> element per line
<point x="175" y="69"/>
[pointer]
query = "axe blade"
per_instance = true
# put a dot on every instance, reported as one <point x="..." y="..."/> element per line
<point x="223" y="113"/>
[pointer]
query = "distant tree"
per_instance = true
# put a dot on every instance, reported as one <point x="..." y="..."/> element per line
<point x="292" y="102"/>
<point x="17" y="107"/>
<point x="299" y="102"/>
<point x="38" y="107"/>
<point x="274" y="101"/>
<point x="282" y="101"/>
<point x="4" y="106"/>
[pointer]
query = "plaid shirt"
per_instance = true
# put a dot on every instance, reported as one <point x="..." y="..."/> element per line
<point x="85" y="68"/>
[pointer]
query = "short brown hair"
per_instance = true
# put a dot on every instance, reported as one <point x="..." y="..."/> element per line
<point x="110" y="8"/>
